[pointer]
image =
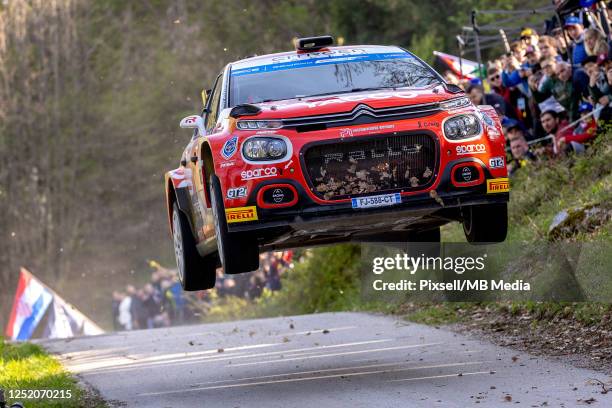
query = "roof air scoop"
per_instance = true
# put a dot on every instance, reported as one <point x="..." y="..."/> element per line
<point x="314" y="43"/>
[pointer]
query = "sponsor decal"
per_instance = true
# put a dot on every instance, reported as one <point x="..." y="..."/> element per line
<point x="471" y="149"/>
<point x="498" y="185"/>
<point x="241" y="214"/>
<point x="229" y="147"/>
<point x="466" y="173"/>
<point x="348" y="132"/>
<point x="428" y="124"/>
<point x="227" y="164"/>
<point x="278" y="195"/>
<point x="496" y="162"/>
<point x="238" y="192"/>
<point x="330" y="53"/>
<point x="295" y="61"/>
<point x="487" y="119"/>
<point x="363" y="154"/>
<point x="383" y="200"/>
<point x="259" y="173"/>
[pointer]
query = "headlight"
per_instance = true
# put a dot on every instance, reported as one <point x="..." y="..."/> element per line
<point x="461" y="127"/>
<point x="259" y="124"/>
<point x="455" y="103"/>
<point x="264" y="148"/>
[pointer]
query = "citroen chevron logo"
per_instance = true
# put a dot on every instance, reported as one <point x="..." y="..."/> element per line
<point x="362" y="109"/>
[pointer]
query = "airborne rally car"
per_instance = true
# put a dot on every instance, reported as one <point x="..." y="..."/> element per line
<point x="328" y="144"/>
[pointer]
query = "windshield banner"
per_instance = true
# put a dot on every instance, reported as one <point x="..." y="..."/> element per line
<point x="328" y="59"/>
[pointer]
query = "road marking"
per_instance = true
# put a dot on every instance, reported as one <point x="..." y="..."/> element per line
<point x="342" y="369"/>
<point x="129" y="361"/>
<point x="320" y="377"/>
<point x="336" y="354"/>
<point x="441" y="376"/>
<point x="131" y="365"/>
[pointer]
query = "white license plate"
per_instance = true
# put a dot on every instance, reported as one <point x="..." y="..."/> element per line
<point x="377" y="201"/>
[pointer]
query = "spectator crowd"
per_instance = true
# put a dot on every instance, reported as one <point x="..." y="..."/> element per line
<point x="552" y="89"/>
<point x="162" y="302"/>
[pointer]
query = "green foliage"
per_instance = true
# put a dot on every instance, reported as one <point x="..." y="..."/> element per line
<point x="539" y="192"/>
<point x="424" y="46"/>
<point x="326" y="279"/>
<point x="433" y="314"/>
<point x="449" y="312"/>
<point x="27" y="366"/>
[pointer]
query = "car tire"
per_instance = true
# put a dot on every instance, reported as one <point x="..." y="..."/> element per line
<point x="195" y="272"/>
<point x="486" y="223"/>
<point x="238" y="253"/>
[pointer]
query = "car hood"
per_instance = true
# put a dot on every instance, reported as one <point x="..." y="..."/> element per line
<point x="345" y="102"/>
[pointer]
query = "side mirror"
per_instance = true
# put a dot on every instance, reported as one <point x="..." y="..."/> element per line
<point x="205" y="95"/>
<point x="193" y="122"/>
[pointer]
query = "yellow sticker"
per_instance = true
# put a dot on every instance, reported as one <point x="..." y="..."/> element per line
<point x="241" y="214"/>
<point x="498" y="185"/>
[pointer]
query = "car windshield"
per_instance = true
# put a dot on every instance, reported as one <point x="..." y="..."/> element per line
<point x="327" y="76"/>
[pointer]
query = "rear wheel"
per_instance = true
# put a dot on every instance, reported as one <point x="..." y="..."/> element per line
<point x="195" y="272"/>
<point x="238" y="252"/>
<point x="485" y="223"/>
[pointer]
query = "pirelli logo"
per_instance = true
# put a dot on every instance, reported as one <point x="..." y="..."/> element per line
<point x="498" y="185"/>
<point x="241" y="214"/>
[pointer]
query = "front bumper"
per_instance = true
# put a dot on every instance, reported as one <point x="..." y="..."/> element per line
<point x="343" y="217"/>
<point x="442" y="202"/>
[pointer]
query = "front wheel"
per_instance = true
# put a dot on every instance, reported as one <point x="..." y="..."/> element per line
<point x="238" y="252"/>
<point x="486" y="223"/>
<point x="195" y="272"/>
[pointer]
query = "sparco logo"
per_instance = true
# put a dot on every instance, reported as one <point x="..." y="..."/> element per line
<point x="473" y="148"/>
<point x="259" y="173"/>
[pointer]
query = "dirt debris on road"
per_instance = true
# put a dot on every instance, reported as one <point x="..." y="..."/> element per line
<point x="584" y="345"/>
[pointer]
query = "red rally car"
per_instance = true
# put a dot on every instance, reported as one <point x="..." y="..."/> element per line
<point x="328" y="144"/>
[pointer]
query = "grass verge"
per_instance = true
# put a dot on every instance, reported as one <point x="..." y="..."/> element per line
<point x="27" y="366"/>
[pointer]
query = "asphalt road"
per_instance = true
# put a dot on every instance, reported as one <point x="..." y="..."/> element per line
<point x="323" y="360"/>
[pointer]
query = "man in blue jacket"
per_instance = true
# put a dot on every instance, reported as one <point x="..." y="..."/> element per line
<point x="575" y="30"/>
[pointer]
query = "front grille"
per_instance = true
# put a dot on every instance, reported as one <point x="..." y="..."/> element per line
<point x="343" y="169"/>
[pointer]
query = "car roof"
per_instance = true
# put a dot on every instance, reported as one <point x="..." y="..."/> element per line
<point x="330" y="52"/>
